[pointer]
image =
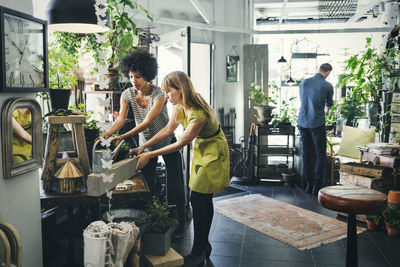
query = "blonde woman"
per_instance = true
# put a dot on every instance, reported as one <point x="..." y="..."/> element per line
<point x="210" y="164"/>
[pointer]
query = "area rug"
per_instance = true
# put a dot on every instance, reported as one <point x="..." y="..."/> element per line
<point x="297" y="227"/>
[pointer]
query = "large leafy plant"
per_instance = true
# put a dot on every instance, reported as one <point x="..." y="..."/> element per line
<point x="63" y="57"/>
<point x="262" y="98"/>
<point x="364" y="72"/>
<point x="392" y="215"/>
<point x="159" y="214"/>
<point x="122" y="38"/>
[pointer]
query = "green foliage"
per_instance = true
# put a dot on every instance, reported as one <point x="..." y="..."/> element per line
<point x="90" y="122"/>
<point x="159" y="214"/>
<point x="392" y="215"/>
<point x="287" y="113"/>
<point x="63" y="56"/>
<point x="122" y="37"/>
<point x="364" y="72"/>
<point x="350" y="108"/>
<point x="376" y="218"/>
<point x="260" y="97"/>
<point x="330" y="119"/>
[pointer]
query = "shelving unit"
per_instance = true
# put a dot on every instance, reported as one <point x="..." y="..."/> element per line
<point x="274" y="152"/>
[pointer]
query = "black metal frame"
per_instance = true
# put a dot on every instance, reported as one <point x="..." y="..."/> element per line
<point x="3" y="88"/>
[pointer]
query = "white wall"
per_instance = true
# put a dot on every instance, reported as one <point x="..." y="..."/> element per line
<point x="19" y="196"/>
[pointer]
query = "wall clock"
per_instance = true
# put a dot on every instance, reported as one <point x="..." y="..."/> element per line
<point x="24" y="63"/>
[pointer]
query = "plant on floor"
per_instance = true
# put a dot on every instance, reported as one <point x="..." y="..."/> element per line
<point x="160" y="215"/>
<point x="373" y="221"/>
<point x="391" y="216"/>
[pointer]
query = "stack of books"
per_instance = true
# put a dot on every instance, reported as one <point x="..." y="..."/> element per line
<point x="383" y="148"/>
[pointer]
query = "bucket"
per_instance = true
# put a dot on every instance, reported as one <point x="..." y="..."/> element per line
<point x="97" y="155"/>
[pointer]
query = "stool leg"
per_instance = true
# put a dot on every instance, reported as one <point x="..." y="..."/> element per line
<point x="351" y="256"/>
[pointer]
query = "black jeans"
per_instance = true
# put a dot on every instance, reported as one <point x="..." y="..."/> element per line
<point x="203" y="212"/>
<point x="314" y="146"/>
<point x="175" y="184"/>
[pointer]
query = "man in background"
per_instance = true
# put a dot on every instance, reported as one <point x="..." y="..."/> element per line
<point x="316" y="100"/>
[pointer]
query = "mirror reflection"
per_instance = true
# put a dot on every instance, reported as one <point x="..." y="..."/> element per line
<point x="22" y="135"/>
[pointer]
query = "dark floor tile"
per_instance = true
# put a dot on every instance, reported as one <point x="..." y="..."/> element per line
<point x="226" y="249"/>
<point x="256" y="238"/>
<point x="255" y="251"/>
<point x="293" y="254"/>
<point x="221" y="261"/>
<point x="248" y="262"/>
<point x="227" y="236"/>
<point x="226" y="224"/>
<point x="332" y="256"/>
<point x="290" y="264"/>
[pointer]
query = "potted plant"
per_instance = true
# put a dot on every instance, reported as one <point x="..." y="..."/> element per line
<point x="286" y="115"/>
<point x="350" y="109"/>
<point x="62" y="60"/>
<point x="392" y="219"/>
<point x="122" y="37"/>
<point x="261" y="101"/>
<point x="157" y="240"/>
<point x="373" y="221"/>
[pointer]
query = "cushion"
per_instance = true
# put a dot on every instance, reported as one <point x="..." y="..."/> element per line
<point x="353" y="137"/>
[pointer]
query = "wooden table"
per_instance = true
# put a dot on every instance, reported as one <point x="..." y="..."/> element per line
<point x="352" y="200"/>
<point x="389" y="161"/>
<point x="49" y="200"/>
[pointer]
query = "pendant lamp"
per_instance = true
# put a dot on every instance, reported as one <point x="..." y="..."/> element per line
<point x="290" y="82"/>
<point x="77" y="16"/>
<point x="282" y="60"/>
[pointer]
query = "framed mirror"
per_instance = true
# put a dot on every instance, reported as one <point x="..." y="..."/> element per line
<point x="21" y="131"/>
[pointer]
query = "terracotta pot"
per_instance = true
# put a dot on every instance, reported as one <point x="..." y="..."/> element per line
<point x="392" y="230"/>
<point x="394" y="197"/>
<point x="371" y="225"/>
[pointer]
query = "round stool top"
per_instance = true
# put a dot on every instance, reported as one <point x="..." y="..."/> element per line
<point x="352" y="199"/>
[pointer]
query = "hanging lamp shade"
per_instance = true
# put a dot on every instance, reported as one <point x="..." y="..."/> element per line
<point x="291" y="82"/>
<point x="77" y="16"/>
<point x="282" y="60"/>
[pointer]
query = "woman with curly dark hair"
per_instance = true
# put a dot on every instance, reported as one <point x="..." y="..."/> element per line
<point x="148" y="104"/>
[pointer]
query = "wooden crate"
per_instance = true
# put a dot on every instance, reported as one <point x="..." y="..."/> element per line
<point x="363" y="169"/>
<point x="361" y="181"/>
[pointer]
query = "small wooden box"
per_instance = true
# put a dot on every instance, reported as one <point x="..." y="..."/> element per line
<point x="171" y="259"/>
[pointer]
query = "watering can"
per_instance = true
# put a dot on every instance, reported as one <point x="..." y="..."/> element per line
<point x="97" y="155"/>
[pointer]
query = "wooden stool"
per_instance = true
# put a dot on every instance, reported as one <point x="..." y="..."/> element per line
<point x="352" y="200"/>
<point x="53" y="140"/>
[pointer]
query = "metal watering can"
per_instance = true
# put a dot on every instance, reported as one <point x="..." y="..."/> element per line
<point x="97" y="155"/>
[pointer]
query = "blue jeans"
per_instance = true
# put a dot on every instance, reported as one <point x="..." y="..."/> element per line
<point x="314" y="146"/>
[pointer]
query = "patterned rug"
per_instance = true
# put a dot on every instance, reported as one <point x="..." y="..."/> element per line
<point x="297" y="227"/>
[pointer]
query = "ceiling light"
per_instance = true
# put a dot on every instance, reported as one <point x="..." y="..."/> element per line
<point x="282" y="60"/>
<point x="77" y="16"/>
<point x="291" y="82"/>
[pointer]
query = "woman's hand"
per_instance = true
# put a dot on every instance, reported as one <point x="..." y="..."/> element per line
<point x="142" y="160"/>
<point x="104" y="135"/>
<point x="118" y="139"/>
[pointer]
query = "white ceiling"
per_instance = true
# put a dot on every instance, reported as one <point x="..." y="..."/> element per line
<point x="282" y="16"/>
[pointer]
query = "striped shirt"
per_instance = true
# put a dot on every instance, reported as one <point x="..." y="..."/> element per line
<point x="129" y="95"/>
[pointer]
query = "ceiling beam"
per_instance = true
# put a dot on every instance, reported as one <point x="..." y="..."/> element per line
<point x="361" y="11"/>
<point x="201" y="11"/>
<point x="283" y="12"/>
<point x="316" y="31"/>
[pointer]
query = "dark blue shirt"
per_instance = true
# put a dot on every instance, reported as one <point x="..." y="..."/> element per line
<point x="315" y="94"/>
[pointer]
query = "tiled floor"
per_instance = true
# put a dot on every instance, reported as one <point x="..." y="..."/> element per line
<point x="237" y="245"/>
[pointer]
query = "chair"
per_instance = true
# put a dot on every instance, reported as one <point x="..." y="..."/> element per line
<point x="15" y="244"/>
<point x="5" y="253"/>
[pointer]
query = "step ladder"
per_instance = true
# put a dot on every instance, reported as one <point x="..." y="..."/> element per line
<point x="51" y="162"/>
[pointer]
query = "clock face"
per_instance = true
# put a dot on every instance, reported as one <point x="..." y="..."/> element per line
<point x="24" y="59"/>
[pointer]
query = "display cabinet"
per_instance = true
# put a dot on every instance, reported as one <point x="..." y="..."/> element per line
<point x="274" y="151"/>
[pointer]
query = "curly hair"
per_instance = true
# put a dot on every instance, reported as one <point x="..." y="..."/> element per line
<point x="142" y="62"/>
